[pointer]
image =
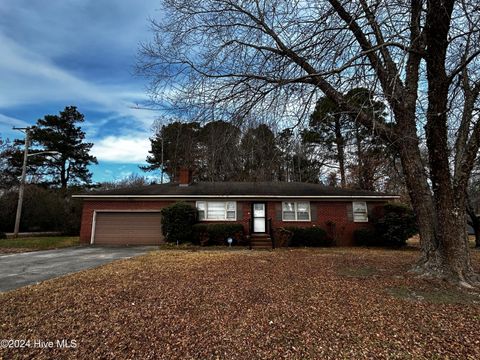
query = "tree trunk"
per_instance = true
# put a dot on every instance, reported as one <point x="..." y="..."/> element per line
<point x="441" y="223"/>
<point x="452" y="260"/>
<point x="63" y="176"/>
<point x="447" y="253"/>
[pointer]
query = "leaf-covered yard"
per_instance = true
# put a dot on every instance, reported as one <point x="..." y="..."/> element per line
<point x="296" y="304"/>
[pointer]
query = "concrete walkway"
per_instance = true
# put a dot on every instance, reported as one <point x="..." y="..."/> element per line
<point x="17" y="270"/>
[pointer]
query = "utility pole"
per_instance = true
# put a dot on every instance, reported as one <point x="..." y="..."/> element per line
<point x="21" y="190"/>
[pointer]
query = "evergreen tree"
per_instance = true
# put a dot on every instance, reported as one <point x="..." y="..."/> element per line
<point x="60" y="133"/>
<point x="260" y="155"/>
<point x="220" y="158"/>
<point x="8" y="173"/>
<point x="174" y="146"/>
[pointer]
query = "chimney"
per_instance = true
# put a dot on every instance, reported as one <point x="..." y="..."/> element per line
<point x="184" y="176"/>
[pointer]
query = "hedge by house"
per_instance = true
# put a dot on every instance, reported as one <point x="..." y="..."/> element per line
<point x="392" y="227"/>
<point x="217" y="234"/>
<point x="367" y="237"/>
<point x="177" y="222"/>
<point x="310" y="236"/>
<point x="397" y="224"/>
<point x="282" y="237"/>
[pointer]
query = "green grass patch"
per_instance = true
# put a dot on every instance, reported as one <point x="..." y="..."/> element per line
<point x="435" y="296"/>
<point x="39" y="243"/>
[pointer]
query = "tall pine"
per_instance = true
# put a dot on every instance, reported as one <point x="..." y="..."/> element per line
<point x="61" y="133"/>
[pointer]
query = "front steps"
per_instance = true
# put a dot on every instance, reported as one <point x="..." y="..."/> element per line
<point x="260" y="241"/>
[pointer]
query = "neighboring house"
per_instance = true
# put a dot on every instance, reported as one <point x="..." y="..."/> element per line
<point x="132" y="216"/>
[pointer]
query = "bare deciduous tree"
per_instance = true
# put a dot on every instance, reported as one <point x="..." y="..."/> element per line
<point x="276" y="58"/>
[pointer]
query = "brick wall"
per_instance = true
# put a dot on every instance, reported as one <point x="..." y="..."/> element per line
<point x="333" y="216"/>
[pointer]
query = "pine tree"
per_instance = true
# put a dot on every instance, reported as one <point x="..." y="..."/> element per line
<point x="60" y="133"/>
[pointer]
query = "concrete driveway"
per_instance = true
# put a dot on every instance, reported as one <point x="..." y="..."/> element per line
<point x="17" y="270"/>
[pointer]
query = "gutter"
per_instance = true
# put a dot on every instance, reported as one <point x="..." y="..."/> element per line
<point x="173" y="197"/>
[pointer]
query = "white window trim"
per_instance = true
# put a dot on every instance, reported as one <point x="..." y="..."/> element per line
<point x="225" y="210"/>
<point x="296" y="211"/>
<point x="353" y="212"/>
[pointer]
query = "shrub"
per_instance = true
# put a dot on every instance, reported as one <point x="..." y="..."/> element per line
<point x="311" y="236"/>
<point x="366" y="237"/>
<point x="393" y="225"/>
<point x="396" y="225"/>
<point x="177" y="222"/>
<point x="3" y="235"/>
<point x="217" y="234"/>
<point x="282" y="237"/>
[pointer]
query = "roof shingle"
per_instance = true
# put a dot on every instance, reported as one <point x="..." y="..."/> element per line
<point x="263" y="189"/>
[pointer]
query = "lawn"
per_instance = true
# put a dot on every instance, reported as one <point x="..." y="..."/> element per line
<point x="296" y="304"/>
<point x="37" y="243"/>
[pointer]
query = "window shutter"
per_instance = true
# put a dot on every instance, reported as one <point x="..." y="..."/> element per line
<point x="239" y="211"/>
<point x="278" y="211"/>
<point x="350" y="211"/>
<point x="370" y="208"/>
<point x="313" y="211"/>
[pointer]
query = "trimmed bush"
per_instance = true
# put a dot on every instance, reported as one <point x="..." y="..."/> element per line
<point x="177" y="222"/>
<point x="397" y="224"/>
<point x="366" y="237"/>
<point x="3" y="235"/>
<point x="282" y="237"/>
<point x="393" y="225"/>
<point x="310" y="236"/>
<point x="217" y="234"/>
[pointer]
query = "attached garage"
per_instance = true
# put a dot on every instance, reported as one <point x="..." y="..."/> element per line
<point x="127" y="228"/>
<point x="132" y="215"/>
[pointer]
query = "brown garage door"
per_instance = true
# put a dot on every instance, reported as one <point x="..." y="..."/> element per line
<point x="128" y="228"/>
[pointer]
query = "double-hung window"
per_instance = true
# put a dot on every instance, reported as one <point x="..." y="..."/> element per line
<point x="217" y="210"/>
<point x="295" y="211"/>
<point x="360" y="211"/>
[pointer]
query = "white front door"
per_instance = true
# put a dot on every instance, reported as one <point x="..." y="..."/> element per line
<point x="259" y="217"/>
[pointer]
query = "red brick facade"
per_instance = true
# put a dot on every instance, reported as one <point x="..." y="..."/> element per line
<point x="333" y="216"/>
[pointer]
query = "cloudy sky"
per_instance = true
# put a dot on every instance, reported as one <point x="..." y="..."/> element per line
<point x="57" y="53"/>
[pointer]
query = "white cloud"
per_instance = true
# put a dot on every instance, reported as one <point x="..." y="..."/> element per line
<point x="10" y="121"/>
<point x="44" y="62"/>
<point x="29" y="78"/>
<point x="122" y="149"/>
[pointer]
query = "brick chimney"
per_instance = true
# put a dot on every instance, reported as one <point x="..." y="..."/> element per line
<point x="184" y="176"/>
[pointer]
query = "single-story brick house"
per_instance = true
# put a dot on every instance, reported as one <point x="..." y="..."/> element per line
<point x="132" y="216"/>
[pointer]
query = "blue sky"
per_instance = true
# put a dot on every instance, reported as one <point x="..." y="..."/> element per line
<point x="57" y="53"/>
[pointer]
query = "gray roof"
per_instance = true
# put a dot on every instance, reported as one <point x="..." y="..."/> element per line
<point x="236" y="189"/>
